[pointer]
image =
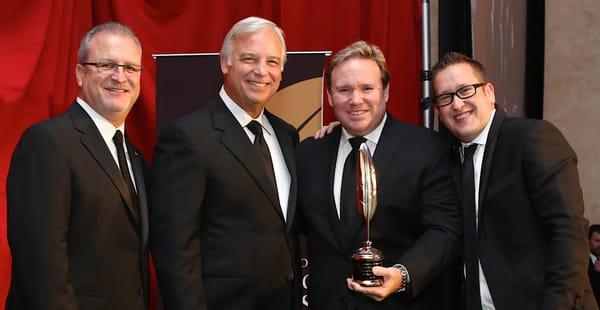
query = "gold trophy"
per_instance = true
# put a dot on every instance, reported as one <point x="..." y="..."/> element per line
<point x="367" y="257"/>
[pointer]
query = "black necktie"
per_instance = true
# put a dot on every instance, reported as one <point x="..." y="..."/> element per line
<point x="348" y="209"/>
<point x="118" y="140"/>
<point x="472" y="292"/>
<point x="263" y="149"/>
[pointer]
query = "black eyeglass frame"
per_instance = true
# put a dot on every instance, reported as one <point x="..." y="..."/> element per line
<point x="475" y="86"/>
<point x="107" y="67"/>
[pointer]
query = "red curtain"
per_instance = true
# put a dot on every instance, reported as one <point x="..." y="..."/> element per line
<point x="39" y="41"/>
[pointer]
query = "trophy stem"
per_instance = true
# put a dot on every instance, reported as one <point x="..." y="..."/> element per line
<point x="368" y="230"/>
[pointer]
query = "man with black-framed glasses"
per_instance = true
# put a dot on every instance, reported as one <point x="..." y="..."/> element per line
<point x="77" y="211"/>
<point x="525" y="243"/>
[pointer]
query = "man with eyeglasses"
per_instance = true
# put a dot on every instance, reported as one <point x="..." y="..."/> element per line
<point x="524" y="231"/>
<point x="77" y="215"/>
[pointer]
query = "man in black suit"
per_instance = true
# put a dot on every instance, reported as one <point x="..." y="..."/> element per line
<point x="525" y="245"/>
<point x="417" y="221"/>
<point x="224" y="188"/>
<point x="594" y="265"/>
<point x="77" y="215"/>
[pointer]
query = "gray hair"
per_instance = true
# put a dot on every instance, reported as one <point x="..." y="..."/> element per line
<point x="251" y="25"/>
<point x="112" y="27"/>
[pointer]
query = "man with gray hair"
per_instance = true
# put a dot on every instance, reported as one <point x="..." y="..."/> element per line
<point x="224" y="188"/>
<point x="77" y="215"/>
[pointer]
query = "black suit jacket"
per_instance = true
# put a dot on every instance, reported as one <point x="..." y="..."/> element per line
<point x="417" y="222"/>
<point x="218" y="235"/>
<point x="532" y="236"/>
<point x="594" y="279"/>
<point x="74" y="241"/>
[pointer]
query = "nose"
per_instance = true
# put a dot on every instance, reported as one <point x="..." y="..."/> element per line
<point x="355" y="96"/>
<point x="457" y="103"/>
<point x="119" y="74"/>
<point x="260" y="68"/>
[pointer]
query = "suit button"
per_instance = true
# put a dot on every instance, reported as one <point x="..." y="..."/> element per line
<point x="290" y="276"/>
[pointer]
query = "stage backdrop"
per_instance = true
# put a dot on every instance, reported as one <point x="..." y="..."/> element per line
<point x="186" y="82"/>
<point x="39" y="41"/>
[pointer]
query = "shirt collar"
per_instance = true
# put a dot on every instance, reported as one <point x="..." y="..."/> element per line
<point x="242" y="116"/>
<point x="482" y="137"/>
<point x="106" y="128"/>
<point x="372" y="136"/>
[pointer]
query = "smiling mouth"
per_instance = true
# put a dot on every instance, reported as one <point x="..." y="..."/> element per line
<point x="116" y="90"/>
<point x="357" y="113"/>
<point x="259" y="84"/>
<point x="462" y="116"/>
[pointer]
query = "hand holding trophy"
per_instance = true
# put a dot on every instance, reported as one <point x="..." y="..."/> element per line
<point x="367" y="257"/>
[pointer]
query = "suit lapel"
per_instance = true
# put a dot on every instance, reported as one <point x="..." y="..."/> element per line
<point x="138" y="175"/>
<point x="287" y="148"/>
<point x="488" y="154"/>
<point x="331" y="144"/>
<point x="236" y="141"/>
<point x="456" y="173"/>
<point x="93" y="142"/>
<point x="388" y="144"/>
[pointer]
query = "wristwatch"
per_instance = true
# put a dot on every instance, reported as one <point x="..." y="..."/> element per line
<point x="405" y="277"/>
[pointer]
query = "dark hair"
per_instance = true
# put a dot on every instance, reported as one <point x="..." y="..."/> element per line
<point x="359" y="49"/>
<point x="595" y="228"/>
<point x="453" y="58"/>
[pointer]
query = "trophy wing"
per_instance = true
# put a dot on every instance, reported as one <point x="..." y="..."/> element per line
<point x="368" y="183"/>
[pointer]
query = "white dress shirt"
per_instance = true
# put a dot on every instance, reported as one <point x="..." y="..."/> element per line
<point x="282" y="175"/>
<point x="107" y="131"/>
<point x="344" y="149"/>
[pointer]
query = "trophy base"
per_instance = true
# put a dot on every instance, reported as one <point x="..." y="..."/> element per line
<point x="370" y="283"/>
<point x="363" y="262"/>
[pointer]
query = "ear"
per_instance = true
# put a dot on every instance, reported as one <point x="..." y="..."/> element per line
<point x="329" y="98"/>
<point x="386" y="93"/>
<point x="433" y="95"/>
<point x="79" y="74"/>
<point x="224" y="65"/>
<point x="489" y="92"/>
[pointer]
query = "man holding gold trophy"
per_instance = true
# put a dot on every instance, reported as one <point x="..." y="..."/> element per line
<point x="378" y="172"/>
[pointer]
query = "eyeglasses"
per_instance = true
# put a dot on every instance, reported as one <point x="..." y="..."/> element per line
<point x="109" y="67"/>
<point x="464" y="92"/>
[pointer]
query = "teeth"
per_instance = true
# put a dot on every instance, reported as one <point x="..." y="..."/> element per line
<point x="356" y="112"/>
<point x="259" y="84"/>
<point x="461" y="116"/>
<point x="112" y="89"/>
